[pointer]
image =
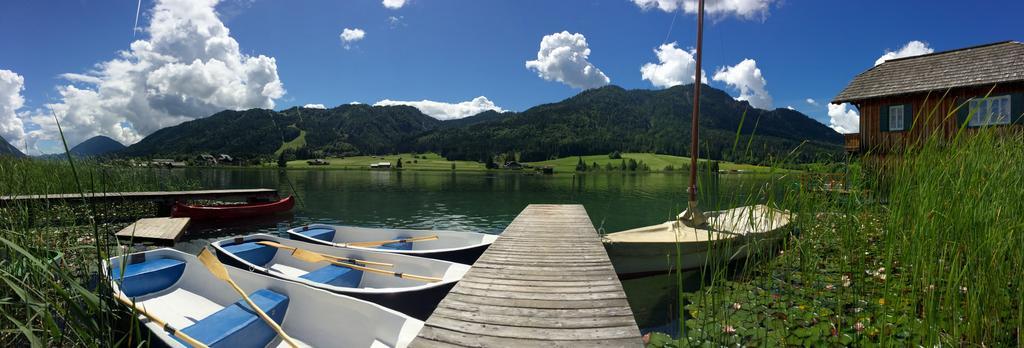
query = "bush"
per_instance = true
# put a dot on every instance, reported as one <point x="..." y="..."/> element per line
<point x="615" y="155"/>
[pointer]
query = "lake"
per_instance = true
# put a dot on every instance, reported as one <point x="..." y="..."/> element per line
<point x="480" y="202"/>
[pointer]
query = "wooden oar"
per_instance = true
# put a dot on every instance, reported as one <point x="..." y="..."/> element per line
<point x="163" y="324"/>
<point x="382" y="242"/>
<point x="221" y="273"/>
<point x="314" y="257"/>
<point x="337" y="258"/>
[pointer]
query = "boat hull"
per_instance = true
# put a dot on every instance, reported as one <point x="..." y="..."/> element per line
<point x="637" y="260"/>
<point x="232" y="211"/>
<point x="453" y="246"/>
<point x="672" y="246"/>
<point x="417" y="301"/>
<point x="314" y="317"/>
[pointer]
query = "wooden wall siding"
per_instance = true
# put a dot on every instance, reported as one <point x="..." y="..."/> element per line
<point x="942" y="121"/>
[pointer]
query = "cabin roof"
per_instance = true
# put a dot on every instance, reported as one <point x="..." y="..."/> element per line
<point x="998" y="62"/>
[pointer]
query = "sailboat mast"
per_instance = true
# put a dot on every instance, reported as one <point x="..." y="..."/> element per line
<point x="696" y="105"/>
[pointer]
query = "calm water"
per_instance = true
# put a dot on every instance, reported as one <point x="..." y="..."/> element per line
<point x="477" y="202"/>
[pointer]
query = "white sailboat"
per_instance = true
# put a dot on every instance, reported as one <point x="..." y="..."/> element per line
<point x="695" y="239"/>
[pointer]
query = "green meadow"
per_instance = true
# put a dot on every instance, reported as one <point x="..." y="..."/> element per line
<point x="656" y="163"/>
<point x="428" y="161"/>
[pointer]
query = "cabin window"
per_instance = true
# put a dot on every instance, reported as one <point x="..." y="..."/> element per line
<point x="896" y="118"/>
<point x="990" y="111"/>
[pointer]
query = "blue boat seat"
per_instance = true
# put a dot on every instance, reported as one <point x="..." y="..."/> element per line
<point x="238" y="325"/>
<point x="148" y="276"/>
<point x="256" y="254"/>
<point x="320" y="233"/>
<point x="397" y="246"/>
<point x="336" y="275"/>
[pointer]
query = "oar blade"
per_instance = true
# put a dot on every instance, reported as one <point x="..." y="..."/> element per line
<point x="308" y="256"/>
<point x="214" y="265"/>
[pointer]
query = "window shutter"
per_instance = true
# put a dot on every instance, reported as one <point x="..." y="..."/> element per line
<point x="883" y="119"/>
<point x="1017" y="108"/>
<point x="963" y="112"/>
<point x="908" y="116"/>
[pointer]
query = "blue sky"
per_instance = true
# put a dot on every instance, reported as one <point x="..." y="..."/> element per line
<point x="454" y="51"/>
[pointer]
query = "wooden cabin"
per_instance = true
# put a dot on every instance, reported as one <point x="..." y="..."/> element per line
<point x="904" y="100"/>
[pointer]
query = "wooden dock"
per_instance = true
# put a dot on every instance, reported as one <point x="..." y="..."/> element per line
<point x="547" y="281"/>
<point x="164" y="199"/>
<point x="262" y="193"/>
<point x="160" y="230"/>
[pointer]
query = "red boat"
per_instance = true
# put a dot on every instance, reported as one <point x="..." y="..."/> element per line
<point x="199" y="212"/>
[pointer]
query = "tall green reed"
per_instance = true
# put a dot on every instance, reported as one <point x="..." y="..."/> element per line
<point x="921" y="248"/>
<point x="50" y="251"/>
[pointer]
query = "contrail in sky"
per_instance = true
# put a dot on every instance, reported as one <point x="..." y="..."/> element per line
<point x="137" y="10"/>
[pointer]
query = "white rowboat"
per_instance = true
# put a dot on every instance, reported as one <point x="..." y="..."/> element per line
<point x="176" y="288"/>
<point x="730" y="235"/>
<point x="454" y="246"/>
<point x="413" y="297"/>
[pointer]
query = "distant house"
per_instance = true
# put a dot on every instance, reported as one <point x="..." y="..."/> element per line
<point x="318" y="162"/>
<point x="513" y="165"/>
<point x="225" y="158"/>
<point x="380" y="165"/>
<point x="206" y="159"/>
<point x="905" y="100"/>
<point x="164" y="162"/>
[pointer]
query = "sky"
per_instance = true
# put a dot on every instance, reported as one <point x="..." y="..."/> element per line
<point x="125" y="69"/>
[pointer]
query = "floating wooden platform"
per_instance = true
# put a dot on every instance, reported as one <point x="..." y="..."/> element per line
<point x="547" y="281"/>
<point x="164" y="230"/>
<point x="261" y="193"/>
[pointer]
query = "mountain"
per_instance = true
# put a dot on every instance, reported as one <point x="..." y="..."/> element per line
<point x="6" y="149"/>
<point x="595" y="121"/>
<point x="97" y="145"/>
<point x="486" y="116"/>
<point x="346" y="129"/>
<point x="610" y="119"/>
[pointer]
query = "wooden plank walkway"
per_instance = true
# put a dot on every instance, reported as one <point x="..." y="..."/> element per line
<point x="547" y="281"/>
<point x="161" y="230"/>
<point x="261" y="193"/>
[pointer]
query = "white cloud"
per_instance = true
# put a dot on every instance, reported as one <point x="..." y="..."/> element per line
<point x="675" y="67"/>
<point x="843" y="118"/>
<point x="11" y="127"/>
<point x="811" y="101"/>
<point x="748" y="9"/>
<point x="447" y="111"/>
<point x="314" y="106"/>
<point x="349" y="35"/>
<point x="396" y="21"/>
<point x="747" y="78"/>
<point x="189" y="67"/>
<point x="81" y="78"/>
<point x="913" y="48"/>
<point x="394" y="4"/>
<point x="355" y="103"/>
<point x="563" y="57"/>
<point x="791" y="107"/>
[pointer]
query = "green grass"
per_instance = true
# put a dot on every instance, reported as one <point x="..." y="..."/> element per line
<point x="430" y="161"/>
<point x="295" y="144"/>
<point x="656" y="162"/>
<point x="434" y="162"/>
